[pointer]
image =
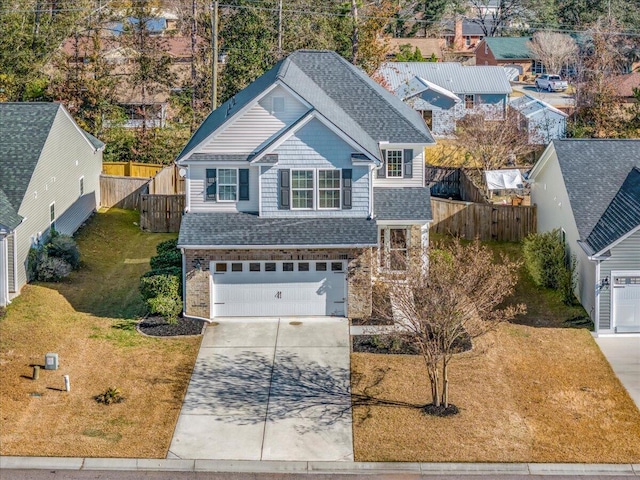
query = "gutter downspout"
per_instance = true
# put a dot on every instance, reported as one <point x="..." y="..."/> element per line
<point x="596" y="313"/>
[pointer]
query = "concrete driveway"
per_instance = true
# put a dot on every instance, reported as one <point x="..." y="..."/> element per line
<point x="557" y="99"/>
<point x="269" y="389"/>
<point x="623" y="354"/>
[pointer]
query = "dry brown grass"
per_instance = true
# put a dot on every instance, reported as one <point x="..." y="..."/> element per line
<point x="526" y="394"/>
<point x="446" y="153"/>
<point x="89" y="321"/>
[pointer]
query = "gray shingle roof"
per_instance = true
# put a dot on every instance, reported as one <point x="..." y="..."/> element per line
<point x="24" y="128"/>
<point x="457" y="78"/>
<point x="599" y="178"/>
<point x="402" y="203"/>
<point x="340" y="92"/>
<point x="246" y="230"/>
<point x="9" y="218"/>
<point x="97" y="144"/>
<point x="621" y="216"/>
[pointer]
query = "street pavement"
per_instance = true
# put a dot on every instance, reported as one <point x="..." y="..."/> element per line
<point x="269" y="389"/>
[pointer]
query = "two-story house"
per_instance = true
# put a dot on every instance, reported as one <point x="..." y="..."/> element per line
<point x="288" y="184"/>
<point x="445" y="92"/>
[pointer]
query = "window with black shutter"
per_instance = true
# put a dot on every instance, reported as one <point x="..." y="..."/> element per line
<point x="347" y="178"/>
<point x="284" y="188"/>
<point x="243" y="184"/>
<point x="211" y="193"/>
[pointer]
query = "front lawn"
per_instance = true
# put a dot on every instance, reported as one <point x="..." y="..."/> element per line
<point x="537" y="391"/>
<point x="89" y="320"/>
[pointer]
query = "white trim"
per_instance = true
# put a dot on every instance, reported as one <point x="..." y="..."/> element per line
<point x="542" y="161"/>
<point x="616" y="242"/>
<point x="4" y="275"/>
<point x="294" y="94"/>
<point x="313" y="189"/>
<point x="81" y="181"/>
<point x="52" y="223"/>
<point x="395" y="223"/>
<point x="218" y="185"/>
<point x="293" y="128"/>
<point x="187" y="188"/>
<point x="596" y="316"/>
<point x="15" y="260"/>
<point x="78" y="129"/>
<point x="386" y="162"/>
<point x="439" y="89"/>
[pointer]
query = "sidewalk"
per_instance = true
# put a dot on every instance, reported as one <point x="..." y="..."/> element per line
<point x="219" y="466"/>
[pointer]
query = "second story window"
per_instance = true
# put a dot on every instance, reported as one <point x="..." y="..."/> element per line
<point x="394" y="163"/>
<point x="302" y="189"/>
<point x="227" y="184"/>
<point x="329" y="188"/>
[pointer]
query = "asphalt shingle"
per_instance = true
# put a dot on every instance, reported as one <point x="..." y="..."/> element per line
<point x="246" y="230"/>
<point x="599" y="178"/>
<point x="412" y="203"/>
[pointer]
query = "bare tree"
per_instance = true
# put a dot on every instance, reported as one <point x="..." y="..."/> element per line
<point x="456" y="300"/>
<point x="491" y="144"/>
<point x="491" y="18"/>
<point x="554" y="50"/>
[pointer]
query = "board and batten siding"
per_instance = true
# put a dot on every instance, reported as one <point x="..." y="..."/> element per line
<point x="314" y="146"/>
<point x="624" y="256"/>
<point x="417" y="178"/>
<point x="256" y="126"/>
<point x="66" y="157"/>
<point x="197" y="190"/>
<point x="549" y="193"/>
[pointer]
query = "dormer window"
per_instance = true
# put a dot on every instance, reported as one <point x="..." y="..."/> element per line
<point x="394" y="163"/>
<point x="278" y="104"/>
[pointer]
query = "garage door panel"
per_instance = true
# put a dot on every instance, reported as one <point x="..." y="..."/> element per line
<point x="279" y="293"/>
<point x="626" y="303"/>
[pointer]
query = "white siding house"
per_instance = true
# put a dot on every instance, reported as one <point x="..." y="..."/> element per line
<point x="590" y="189"/>
<point x="50" y="170"/>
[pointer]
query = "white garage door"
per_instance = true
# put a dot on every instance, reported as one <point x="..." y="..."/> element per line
<point x="262" y="288"/>
<point x="626" y="302"/>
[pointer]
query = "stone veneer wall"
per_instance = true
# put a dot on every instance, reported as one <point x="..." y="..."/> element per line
<point x="198" y="297"/>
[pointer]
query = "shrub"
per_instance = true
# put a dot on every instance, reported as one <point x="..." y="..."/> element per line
<point x="159" y="285"/>
<point x="174" y="271"/>
<point x="169" y="307"/>
<point x="112" y="395"/>
<point x="544" y="256"/>
<point x="168" y="255"/>
<point x="53" y="269"/>
<point x="65" y="248"/>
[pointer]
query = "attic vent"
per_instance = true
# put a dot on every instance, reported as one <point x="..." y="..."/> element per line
<point x="278" y="104"/>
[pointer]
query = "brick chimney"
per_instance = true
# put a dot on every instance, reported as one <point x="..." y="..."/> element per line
<point x="458" y="40"/>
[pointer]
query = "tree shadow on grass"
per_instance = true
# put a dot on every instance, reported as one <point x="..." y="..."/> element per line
<point x="247" y="388"/>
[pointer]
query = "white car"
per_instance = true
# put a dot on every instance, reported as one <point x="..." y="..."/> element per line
<point x="551" y="83"/>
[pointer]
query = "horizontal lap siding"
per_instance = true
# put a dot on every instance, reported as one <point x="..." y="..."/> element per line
<point x="11" y="244"/>
<point x="257" y="125"/>
<point x="624" y="256"/>
<point x="56" y="178"/>
<point x="315" y="147"/>
<point x="416" y="180"/>
<point x="197" y="184"/>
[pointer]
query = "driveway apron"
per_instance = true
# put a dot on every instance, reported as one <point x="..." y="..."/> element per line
<point x="269" y="389"/>
<point x="623" y="354"/>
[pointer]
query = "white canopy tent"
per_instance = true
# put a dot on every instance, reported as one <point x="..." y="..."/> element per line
<point x="504" y="179"/>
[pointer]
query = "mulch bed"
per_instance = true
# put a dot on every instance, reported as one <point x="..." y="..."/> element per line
<point x="390" y="345"/>
<point x="159" y="327"/>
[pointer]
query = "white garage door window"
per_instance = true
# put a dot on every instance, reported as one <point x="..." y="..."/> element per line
<point x="626" y="301"/>
<point x="282" y="288"/>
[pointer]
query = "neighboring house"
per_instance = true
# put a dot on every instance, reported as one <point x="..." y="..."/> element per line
<point x="625" y="85"/>
<point x="543" y="121"/>
<point x="510" y="52"/>
<point x="151" y="105"/>
<point x="591" y="190"/>
<point x="50" y="171"/>
<point x="445" y="92"/>
<point x="290" y="181"/>
<point x="462" y="35"/>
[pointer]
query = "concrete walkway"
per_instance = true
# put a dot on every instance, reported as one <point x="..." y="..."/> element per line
<point x="269" y="389"/>
<point x="623" y="354"/>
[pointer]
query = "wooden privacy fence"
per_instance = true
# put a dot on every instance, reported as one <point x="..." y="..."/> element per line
<point x="485" y="221"/>
<point x="452" y="182"/>
<point x="131" y="169"/>
<point x="122" y="192"/>
<point x="167" y="181"/>
<point x="161" y="213"/>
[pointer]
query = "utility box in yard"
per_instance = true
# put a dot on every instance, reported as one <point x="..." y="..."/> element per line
<point x="51" y="361"/>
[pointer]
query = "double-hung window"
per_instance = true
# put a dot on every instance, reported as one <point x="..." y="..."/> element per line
<point x="469" y="101"/>
<point x="328" y="189"/>
<point x="394" y="163"/>
<point x="302" y="186"/>
<point x="394" y="243"/>
<point x="227" y="184"/>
